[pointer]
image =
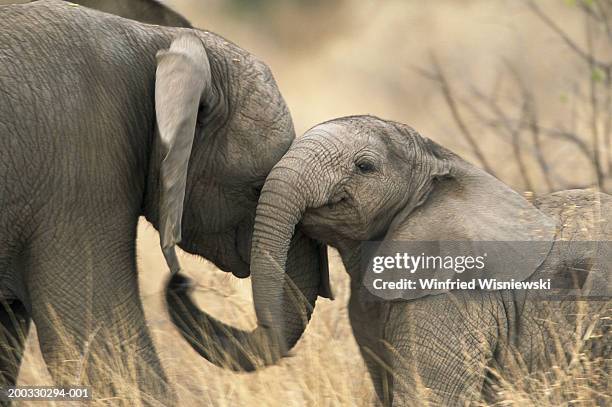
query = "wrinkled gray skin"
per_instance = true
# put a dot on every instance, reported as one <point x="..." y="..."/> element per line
<point x="360" y="178"/>
<point x="89" y="119"/>
<point x="146" y="11"/>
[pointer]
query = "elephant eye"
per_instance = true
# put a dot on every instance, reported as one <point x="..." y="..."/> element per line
<point x="365" y="167"/>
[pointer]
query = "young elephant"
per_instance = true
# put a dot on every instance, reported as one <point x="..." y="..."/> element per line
<point x="361" y="178"/>
<point x="103" y="120"/>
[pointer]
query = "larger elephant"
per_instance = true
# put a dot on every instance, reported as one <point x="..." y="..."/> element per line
<point x="359" y="179"/>
<point x="102" y="120"/>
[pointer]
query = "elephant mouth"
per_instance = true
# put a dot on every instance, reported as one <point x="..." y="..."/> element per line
<point x="336" y="209"/>
<point x="243" y="267"/>
<point x="235" y="260"/>
<point x="242" y="271"/>
<point x="228" y="252"/>
<point x="242" y="248"/>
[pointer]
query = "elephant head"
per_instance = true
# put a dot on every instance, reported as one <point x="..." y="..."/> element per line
<point x="222" y="125"/>
<point x="361" y="178"/>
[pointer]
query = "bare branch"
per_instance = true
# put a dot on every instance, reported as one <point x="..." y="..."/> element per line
<point x="531" y="117"/>
<point x="537" y="145"/>
<point x="449" y="97"/>
<point x="602" y="15"/>
<point x="514" y="131"/>
<point x="594" y="107"/>
<point x="608" y="118"/>
<point x="565" y="37"/>
<point x="582" y="146"/>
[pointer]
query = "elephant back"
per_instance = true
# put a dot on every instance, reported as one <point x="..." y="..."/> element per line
<point x="582" y="252"/>
<point x="584" y="216"/>
<point x="581" y="215"/>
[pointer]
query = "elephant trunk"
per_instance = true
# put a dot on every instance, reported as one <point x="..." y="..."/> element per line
<point x="289" y="190"/>
<point x="243" y="350"/>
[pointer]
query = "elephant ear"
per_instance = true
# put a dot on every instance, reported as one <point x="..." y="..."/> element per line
<point x="464" y="211"/>
<point x="182" y="80"/>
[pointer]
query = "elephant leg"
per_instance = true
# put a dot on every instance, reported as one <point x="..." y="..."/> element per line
<point x="379" y="373"/>
<point x="439" y="347"/>
<point x="367" y="322"/>
<point x="14" y="327"/>
<point x="85" y="300"/>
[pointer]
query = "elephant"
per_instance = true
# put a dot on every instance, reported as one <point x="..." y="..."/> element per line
<point x="146" y="11"/>
<point x="361" y="179"/>
<point x="103" y="120"/>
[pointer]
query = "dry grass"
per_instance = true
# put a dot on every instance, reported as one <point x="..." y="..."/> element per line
<point x="325" y="369"/>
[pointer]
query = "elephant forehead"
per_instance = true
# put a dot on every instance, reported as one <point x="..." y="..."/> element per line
<point x="328" y="128"/>
<point x="334" y="131"/>
<point x="344" y="126"/>
<point x="349" y="139"/>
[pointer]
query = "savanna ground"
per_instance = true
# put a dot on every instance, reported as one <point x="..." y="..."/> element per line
<point x="523" y="92"/>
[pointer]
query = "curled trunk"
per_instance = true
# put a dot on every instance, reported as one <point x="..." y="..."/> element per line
<point x="242" y="350"/>
<point x="294" y="184"/>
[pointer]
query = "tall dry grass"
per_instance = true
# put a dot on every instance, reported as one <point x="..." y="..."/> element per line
<point x="325" y="368"/>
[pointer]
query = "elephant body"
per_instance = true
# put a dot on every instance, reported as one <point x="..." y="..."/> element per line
<point x="444" y="347"/>
<point x="104" y="120"/>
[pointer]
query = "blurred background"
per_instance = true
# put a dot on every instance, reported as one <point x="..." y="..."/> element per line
<point x="508" y="84"/>
<point x="521" y="89"/>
